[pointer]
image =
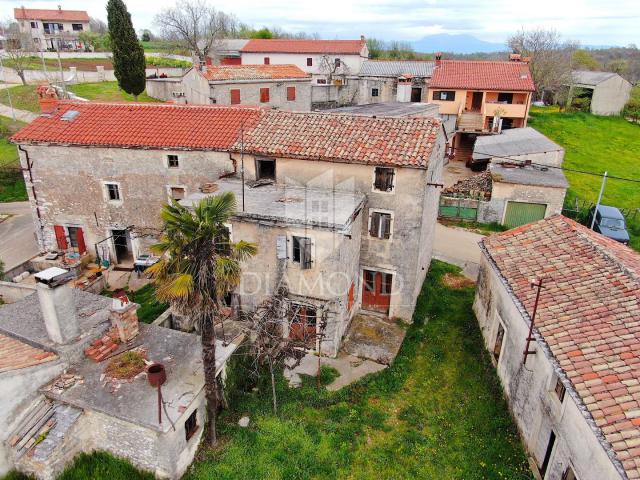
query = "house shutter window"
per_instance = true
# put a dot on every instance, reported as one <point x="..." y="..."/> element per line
<point x="385" y="228"/>
<point x="384" y="179"/>
<point x="264" y="95"/>
<point x="375" y="224"/>
<point x="235" y="96"/>
<point x="267" y="60"/>
<point x="351" y="296"/>
<point x="380" y="225"/>
<point x="291" y="94"/>
<point x="61" y="236"/>
<point x="82" y="247"/>
<point x="305" y="253"/>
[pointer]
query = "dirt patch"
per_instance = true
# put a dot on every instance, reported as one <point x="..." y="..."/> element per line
<point x="457" y="281"/>
<point x="126" y="365"/>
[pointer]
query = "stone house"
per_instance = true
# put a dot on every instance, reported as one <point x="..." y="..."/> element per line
<point x="608" y="91"/>
<point x="279" y="86"/>
<point x="55" y="347"/>
<point x="54" y="29"/>
<point x="394" y="81"/>
<point x="570" y="378"/>
<point x="366" y="185"/>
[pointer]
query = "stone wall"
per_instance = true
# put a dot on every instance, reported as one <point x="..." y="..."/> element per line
<point x="530" y="389"/>
<point x="250" y="94"/>
<point x="12" y="292"/>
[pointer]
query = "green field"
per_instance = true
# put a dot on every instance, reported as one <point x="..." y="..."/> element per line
<point x="436" y="413"/>
<point x="23" y="97"/>
<point x="12" y="188"/>
<point x="597" y="144"/>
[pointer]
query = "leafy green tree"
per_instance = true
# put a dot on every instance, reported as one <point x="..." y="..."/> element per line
<point x="583" y="60"/>
<point x="618" y="65"/>
<point x="198" y="266"/>
<point x="128" y="54"/>
<point x="632" y="108"/>
<point x="264" y="32"/>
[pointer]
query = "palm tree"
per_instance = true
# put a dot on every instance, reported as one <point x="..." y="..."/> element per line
<point x="198" y="266"/>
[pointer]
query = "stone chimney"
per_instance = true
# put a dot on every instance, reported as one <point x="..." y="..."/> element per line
<point x="48" y="99"/>
<point x="57" y="305"/>
<point x="515" y="57"/>
<point x="438" y="57"/>
<point x="124" y="317"/>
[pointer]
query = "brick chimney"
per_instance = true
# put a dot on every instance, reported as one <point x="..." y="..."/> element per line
<point x="362" y="39"/>
<point x="124" y="317"/>
<point x="48" y="99"/>
<point x="438" y="57"/>
<point x="57" y="305"/>
<point x="515" y="57"/>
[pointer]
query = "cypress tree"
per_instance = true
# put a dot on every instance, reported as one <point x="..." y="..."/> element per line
<point x="128" y="54"/>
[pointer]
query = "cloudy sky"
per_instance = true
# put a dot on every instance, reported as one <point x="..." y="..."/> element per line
<point x="592" y="22"/>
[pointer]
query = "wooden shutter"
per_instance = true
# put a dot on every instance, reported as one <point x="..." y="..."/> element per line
<point x="386" y="225"/>
<point x="375" y="224"/>
<point x="61" y="236"/>
<point x="351" y="295"/>
<point x="291" y="94"/>
<point x="235" y="96"/>
<point x="267" y="60"/>
<point x="264" y="95"/>
<point x="82" y="247"/>
<point x="305" y="253"/>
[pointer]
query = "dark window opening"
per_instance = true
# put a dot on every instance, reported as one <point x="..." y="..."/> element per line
<point x="448" y="96"/>
<point x="385" y="287"/>
<point x="302" y="252"/>
<point x="34" y="24"/>
<point x="384" y="179"/>
<point x="507" y="123"/>
<point x="113" y="191"/>
<point x="560" y="390"/>
<point x="504" y="97"/>
<point x="497" y="346"/>
<point x="191" y="425"/>
<point x="265" y="169"/>
<point x="369" y="281"/>
<point x="321" y="81"/>
<point x="547" y="454"/>
<point x="264" y="95"/>
<point x="77" y="27"/>
<point x="380" y="225"/>
<point x="374" y="92"/>
<point x="172" y="161"/>
<point x="416" y="94"/>
<point x="267" y="60"/>
<point x="337" y="62"/>
<point x="309" y="62"/>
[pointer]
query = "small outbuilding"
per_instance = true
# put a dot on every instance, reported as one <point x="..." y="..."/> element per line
<point x="609" y="92"/>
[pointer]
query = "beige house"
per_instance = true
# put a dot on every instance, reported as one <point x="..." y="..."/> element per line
<point x="342" y="207"/>
<point x="53" y="29"/>
<point x="279" y="86"/>
<point x="609" y="92"/>
<point x="558" y="309"/>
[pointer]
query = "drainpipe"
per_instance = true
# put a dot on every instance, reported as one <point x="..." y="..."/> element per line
<point x="34" y="194"/>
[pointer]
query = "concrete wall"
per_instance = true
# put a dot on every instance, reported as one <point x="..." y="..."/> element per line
<point x="530" y="389"/>
<point x="12" y="292"/>
<point x="332" y="96"/>
<point x="351" y="64"/>
<point x="75" y="76"/>
<point x="610" y="96"/>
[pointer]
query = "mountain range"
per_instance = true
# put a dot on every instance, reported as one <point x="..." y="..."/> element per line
<point x="461" y="43"/>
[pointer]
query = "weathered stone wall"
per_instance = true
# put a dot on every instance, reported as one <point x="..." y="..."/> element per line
<point x="387" y="89"/>
<point x="553" y="197"/>
<point x="332" y="96"/>
<point x="250" y="94"/>
<point x="530" y="389"/>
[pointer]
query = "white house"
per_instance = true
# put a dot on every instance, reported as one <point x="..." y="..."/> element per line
<point x="53" y="29"/>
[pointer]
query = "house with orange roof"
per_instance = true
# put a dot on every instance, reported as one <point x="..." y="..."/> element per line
<point x="284" y="87"/>
<point x="559" y="310"/>
<point x="53" y="29"/>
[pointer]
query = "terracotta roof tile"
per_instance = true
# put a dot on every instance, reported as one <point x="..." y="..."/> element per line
<point x="15" y="354"/>
<point x="22" y="13"/>
<point x="482" y="75"/>
<point x="349" y="47"/>
<point x="588" y="315"/>
<point x="253" y="72"/>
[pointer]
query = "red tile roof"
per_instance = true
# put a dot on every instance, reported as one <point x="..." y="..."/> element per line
<point x="344" y="138"/>
<point x="53" y="14"/>
<point x="588" y="315"/>
<point x="253" y="72"/>
<point x="482" y="75"/>
<point x="314" y="136"/>
<point x="150" y="125"/>
<point x="349" y="47"/>
<point x="15" y="354"/>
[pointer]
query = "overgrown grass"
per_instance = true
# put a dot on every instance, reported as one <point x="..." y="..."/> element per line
<point x="477" y="227"/>
<point x="106" y="92"/>
<point x="12" y="187"/>
<point x="164" y="46"/>
<point x="101" y="465"/>
<point x="597" y="144"/>
<point x="23" y="97"/>
<point x="167" y="62"/>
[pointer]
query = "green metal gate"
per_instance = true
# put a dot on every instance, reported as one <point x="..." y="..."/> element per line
<point x="461" y="208"/>
<point x="521" y="213"/>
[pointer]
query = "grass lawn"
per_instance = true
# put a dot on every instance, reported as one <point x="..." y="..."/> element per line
<point x="437" y="413"/>
<point x="23" y="97"/>
<point x="12" y="188"/>
<point x="597" y="144"/>
<point x="87" y="64"/>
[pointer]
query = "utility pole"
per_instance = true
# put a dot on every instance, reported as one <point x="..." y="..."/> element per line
<point x="604" y="181"/>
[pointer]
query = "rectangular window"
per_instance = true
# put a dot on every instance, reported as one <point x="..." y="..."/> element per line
<point x="177" y="193"/>
<point x="385" y="287"/>
<point x="113" y="192"/>
<point x="264" y="95"/>
<point x="383" y="181"/>
<point x="560" y="389"/>
<point x="547" y="454"/>
<point x="77" y="27"/>
<point x="374" y="92"/>
<point x="34" y="24"/>
<point x="172" y="161"/>
<point x="302" y="252"/>
<point x="291" y="94"/>
<point x="265" y="168"/>
<point x="497" y="346"/>
<point x="321" y="81"/>
<point x="369" y="281"/>
<point x="380" y="226"/>
<point x="235" y="96"/>
<point x="505" y="97"/>
<point x="191" y="425"/>
<point x="337" y="62"/>
<point x="267" y="60"/>
<point x="448" y="96"/>
<point x="309" y="62"/>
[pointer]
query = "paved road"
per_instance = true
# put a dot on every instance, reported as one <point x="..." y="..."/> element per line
<point x="458" y="246"/>
<point x="17" y="234"/>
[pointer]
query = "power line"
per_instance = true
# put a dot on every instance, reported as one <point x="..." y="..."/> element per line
<point x="634" y="180"/>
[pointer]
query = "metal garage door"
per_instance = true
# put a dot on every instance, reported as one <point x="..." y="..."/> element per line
<point x="519" y="213"/>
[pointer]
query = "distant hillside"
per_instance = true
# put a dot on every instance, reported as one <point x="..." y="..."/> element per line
<point x="456" y="44"/>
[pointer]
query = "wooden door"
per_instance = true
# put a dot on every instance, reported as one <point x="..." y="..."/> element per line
<point x="376" y="291"/>
<point x="416" y="94"/>
<point x="476" y="102"/>
<point x="82" y="247"/>
<point x="61" y="236"/>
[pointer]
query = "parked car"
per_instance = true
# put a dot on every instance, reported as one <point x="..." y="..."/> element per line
<point x="610" y="223"/>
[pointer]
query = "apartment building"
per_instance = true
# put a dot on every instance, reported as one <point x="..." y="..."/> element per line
<point x="53" y="29"/>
